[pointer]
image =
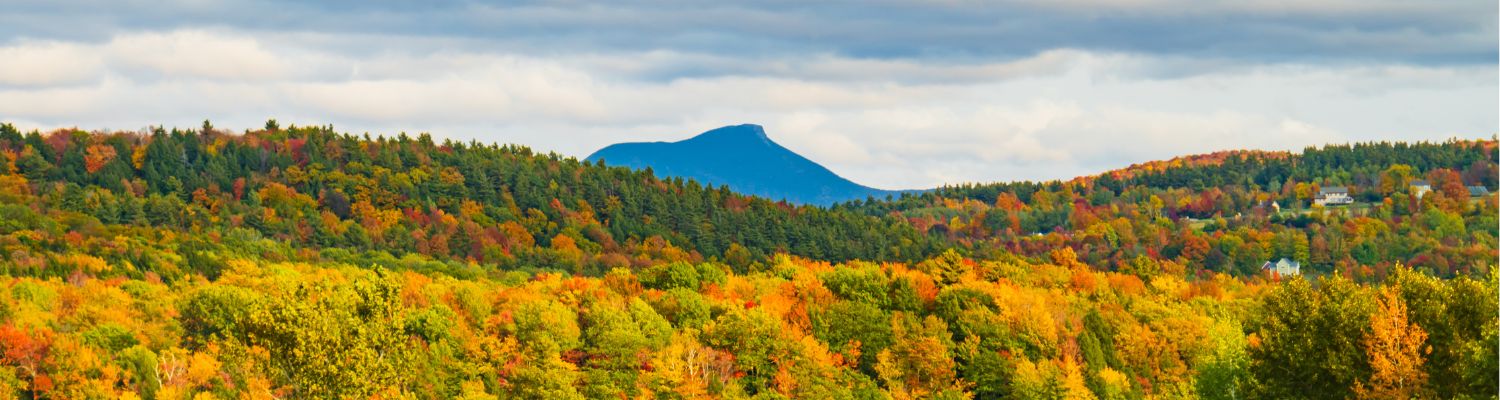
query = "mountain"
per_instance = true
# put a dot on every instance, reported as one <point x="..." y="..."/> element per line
<point x="745" y="159"/>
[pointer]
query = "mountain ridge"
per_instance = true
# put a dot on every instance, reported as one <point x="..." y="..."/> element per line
<point x="744" y="158"/>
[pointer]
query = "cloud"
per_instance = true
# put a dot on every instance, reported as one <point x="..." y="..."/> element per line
<point x="1426" y="32"/>
<point x="889" y="93"/>
<point x="42" y="64"/>
<point x="194" y="54"/>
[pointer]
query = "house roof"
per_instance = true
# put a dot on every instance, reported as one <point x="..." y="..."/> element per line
<point x="1284" y="261"/>
<point x="1478" y="190"/>
<point x="1333" y="189"/>
<point x="1420" y="182"/>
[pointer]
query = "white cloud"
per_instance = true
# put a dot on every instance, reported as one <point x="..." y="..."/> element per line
<point x="893" y="123"/>
<point x="43" y="64"/>
<point x="196" y="54"/>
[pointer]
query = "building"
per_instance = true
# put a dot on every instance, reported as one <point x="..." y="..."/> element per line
<point x="1478" y="191"/>
<point x="1420" y="188"/>
<point x="1268" y="206"/>
<point x="1283" y="267"/>
<point x="1333" y="196"/>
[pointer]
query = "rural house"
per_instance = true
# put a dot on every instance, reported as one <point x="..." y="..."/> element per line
<point x="1420" y="188"/>
<point x="1333" y="196"/>
<point x="1283" y="267"/>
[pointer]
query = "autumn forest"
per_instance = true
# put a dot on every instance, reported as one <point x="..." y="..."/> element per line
<point x="303" y="262"/>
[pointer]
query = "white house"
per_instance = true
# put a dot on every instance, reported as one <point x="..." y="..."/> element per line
<point x="1420" y="188"/>
<point x="1332" y="196"/>
<point x="1283" y="267"/>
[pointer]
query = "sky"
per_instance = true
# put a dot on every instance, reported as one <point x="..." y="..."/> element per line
<point x="891" y="94"/>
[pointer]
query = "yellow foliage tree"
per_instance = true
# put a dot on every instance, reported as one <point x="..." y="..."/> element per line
<point x="1396" y="350"/>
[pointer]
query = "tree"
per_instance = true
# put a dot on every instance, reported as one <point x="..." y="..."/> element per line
<point x="918" y="364"/>
<point x="27" y="351"/>
<point x="688" y="369"/>
<point x="97" y="156"/>
<point x="615" y="346"/>
<point x="349" y="343"/>
<point x="1306" y="345"/>
<point x="33" y="164"/>
<point x="1396" y="352"/>
<point x="859" y="330"/>
<point x="755" y="339"/>
<point x="1396" y="178"/>
<point x="1222" y="372"/>
<point x="738" y="257"/>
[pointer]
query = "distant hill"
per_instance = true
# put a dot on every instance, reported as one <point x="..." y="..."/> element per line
<point x="745" y="159"/>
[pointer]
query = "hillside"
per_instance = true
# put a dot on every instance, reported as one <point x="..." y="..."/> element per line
<point x="743" y="158"/>
<point x="300" y="262"/>
<point x="1233" y="211"/>
<point x="500" y="206"/>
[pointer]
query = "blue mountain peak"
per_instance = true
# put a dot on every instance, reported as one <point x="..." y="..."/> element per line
<point x="744" y="158"/>
<point x="735" y="132"/>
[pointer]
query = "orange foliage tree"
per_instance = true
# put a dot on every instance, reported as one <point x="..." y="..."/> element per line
<point x="1396" y="351"/>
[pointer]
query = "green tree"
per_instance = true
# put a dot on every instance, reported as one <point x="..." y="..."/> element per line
<point x="851" y="328"/>
<point x="351" y="343"/>
<point x="1309" y="340"/>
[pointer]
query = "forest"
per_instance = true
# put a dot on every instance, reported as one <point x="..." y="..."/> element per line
<point x="1232" y="211"/>
<point x="299" y="262"/>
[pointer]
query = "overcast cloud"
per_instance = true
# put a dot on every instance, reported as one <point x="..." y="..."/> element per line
<point x="891" y="94"/>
